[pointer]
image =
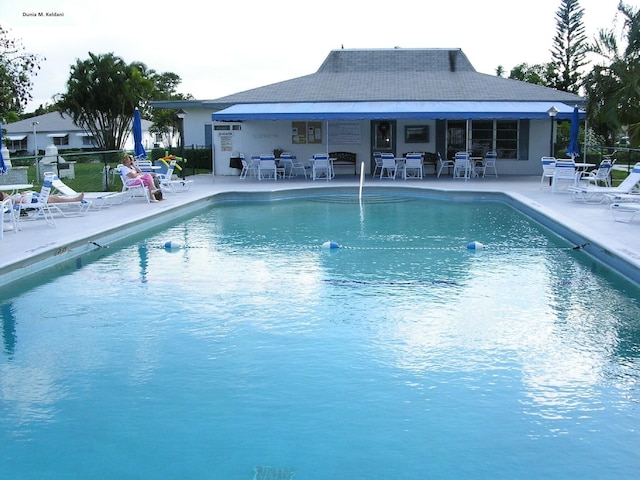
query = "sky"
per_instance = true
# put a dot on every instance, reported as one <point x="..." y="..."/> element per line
<point x="223" y="47"/>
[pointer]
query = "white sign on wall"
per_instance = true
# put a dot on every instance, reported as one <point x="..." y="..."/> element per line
<point x="345" y="132"/>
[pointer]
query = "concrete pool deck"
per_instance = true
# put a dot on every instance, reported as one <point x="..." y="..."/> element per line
<point x="37" y="246"/>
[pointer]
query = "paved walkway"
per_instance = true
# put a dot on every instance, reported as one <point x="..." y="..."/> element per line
<point x="38" y="245"/>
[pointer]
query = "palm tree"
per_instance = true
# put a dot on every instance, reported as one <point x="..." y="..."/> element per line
<point x="613" y="87"/>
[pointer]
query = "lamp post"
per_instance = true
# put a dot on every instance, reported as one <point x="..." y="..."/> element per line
<point x="553" y="111"/>
<point x="181" y="114"/>
<point x="35" y="149"/>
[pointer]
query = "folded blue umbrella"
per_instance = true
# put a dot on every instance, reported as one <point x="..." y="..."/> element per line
<point x="138" y="149"/>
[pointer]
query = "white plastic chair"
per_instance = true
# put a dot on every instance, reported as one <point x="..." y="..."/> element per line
<point x="444" y="164"/>
<point x="389" y="167"/>
<point x="8" y="216"/>
<point x="548" y="167"/>
<point x="174" y="186"/>
<point x="462" y="167"/>
<point x="593" y="193"/>
<point x="130" y="188"/>
<point x="321" y="168"/>
<point x="267" y="168"/>
<point x="412" y="166"/>
<point x="41" y="208"/>
<point x="601" y="174"/>
<point x="564" y="173"/>
<point x="377" y="160"/>
<point x="490" y="164"/>
<point x="297" y="167"/>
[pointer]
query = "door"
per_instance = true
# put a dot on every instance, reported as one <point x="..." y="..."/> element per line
<point x="383" y="138"/>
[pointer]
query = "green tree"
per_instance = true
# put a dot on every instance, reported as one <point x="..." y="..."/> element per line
<point x="613" y="86"/>
<point x="17" y="67"/>
<point x="569" y="46"/>
<point x="102" y="93"/>
<point x="164" y="120"/>
<point x="538" y="74"/>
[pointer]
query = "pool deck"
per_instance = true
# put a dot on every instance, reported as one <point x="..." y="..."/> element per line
<point x="37" y="245"/>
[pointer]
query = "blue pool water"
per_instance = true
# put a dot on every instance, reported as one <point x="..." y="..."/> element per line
<point x="252" y="352"/>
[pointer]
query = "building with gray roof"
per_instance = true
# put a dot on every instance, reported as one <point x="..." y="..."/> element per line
<point x="397" y="100"/>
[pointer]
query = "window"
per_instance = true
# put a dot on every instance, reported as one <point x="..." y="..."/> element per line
<point x="88" y="141"/>
<point x="61" y="140"/>
<point x="500" y="136"/>
<point x="17" y="144"/>
<point x="456" y="137"/>
<point x="507" y="138"/>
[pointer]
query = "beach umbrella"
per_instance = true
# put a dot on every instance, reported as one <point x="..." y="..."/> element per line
<point x="573" y="150"/>
<point x="3" y="167"/>
<point x="138" y="149"/>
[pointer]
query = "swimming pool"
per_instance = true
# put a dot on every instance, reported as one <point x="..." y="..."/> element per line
<point x="254" y="352"/>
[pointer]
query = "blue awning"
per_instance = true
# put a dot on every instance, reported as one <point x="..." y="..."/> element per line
<point x="391" y="110"/>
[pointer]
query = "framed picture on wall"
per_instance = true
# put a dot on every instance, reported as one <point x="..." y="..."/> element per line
<point x="416" y="134"/>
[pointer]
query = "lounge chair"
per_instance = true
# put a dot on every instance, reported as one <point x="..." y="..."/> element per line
<point x="175" y="186"/>
<point x="41" y="207"/>
<point x="92" y="199"/>
<point x="624" y="212"/>
<point x="595" y="194"/>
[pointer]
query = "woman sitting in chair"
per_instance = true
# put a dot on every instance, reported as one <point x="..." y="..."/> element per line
<point x="32" y="197"/>
<point x="134" y="176"/>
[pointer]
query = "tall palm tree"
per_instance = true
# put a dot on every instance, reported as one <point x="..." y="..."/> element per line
<point x="613" y="87"/>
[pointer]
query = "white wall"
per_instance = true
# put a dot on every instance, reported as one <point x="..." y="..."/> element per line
<point x="260" y="137"/>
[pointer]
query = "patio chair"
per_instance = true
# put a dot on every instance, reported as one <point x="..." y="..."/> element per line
<point x="412" y="166"/>
<point x="489" y="163"/>
<point x="267" y="168"/>
<point x="601" y="174"/>
<point x="297" y="167"/>
<point x="377" y="160"/>
<point x="286" y="164"/>
<point x="563" y="174"/>
<point x="8" y="216"/>
<point x="595" y="194"/>
<point x="444" y="164"/>
<point x="462" y="167"/>
<point x="137" y="189"/>
<point x="389" y="166"/>
<point x="174" y="186"/>
<point x="548" y="167"/>
<point x="321" y="167"/>
<point x="245" y="168"/>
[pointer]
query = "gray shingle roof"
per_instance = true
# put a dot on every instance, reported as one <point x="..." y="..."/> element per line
<point x="396" y="75"/>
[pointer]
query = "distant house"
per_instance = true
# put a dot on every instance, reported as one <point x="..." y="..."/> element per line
<point x="395" y="100"/>
<point x="55" y="129"/>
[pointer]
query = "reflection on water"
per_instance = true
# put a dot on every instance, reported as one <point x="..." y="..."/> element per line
<point x="8" y="328"/>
